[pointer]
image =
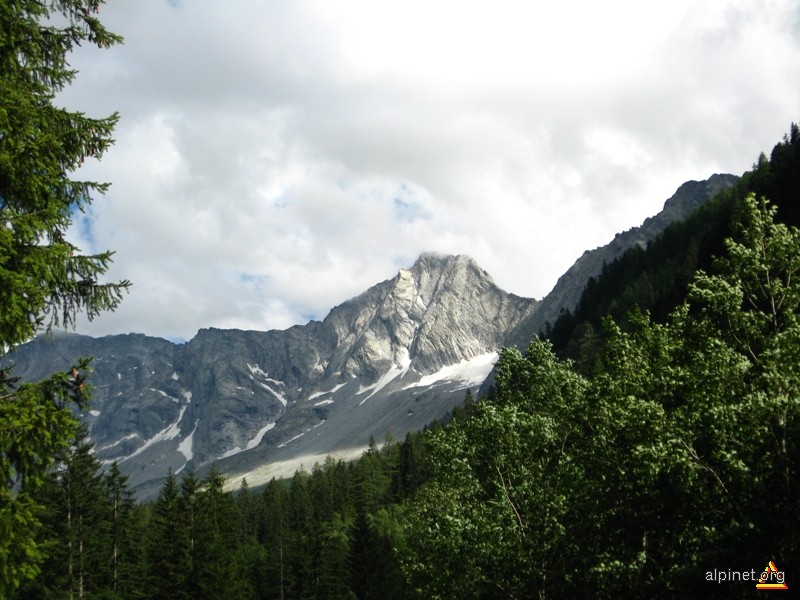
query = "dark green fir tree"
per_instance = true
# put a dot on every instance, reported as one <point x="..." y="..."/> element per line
<point x="44" y="280"/>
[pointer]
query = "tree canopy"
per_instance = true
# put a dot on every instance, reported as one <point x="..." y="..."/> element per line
<point x="45" y="281"/>
<point x="680" y="455"/>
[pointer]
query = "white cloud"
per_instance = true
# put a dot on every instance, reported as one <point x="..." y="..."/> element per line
<point x="276" y="158"/>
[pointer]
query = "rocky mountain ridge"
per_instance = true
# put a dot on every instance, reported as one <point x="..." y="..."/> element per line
<point x="261" y="404"/>
<point x="393" y="359"/>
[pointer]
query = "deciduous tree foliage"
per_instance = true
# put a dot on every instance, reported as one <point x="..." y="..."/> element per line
<point x="45" y="281"/>
<point x="491" y="522"/>
<point x="679" y="457"/>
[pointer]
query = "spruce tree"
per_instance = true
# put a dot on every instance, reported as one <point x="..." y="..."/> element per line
<point x="333" y="574"/>
<point x="273" y="533"/>
<point x="217" y="541"/>
<point x="300" y="549"/>
<point x="168" y="546"/>
<point x="121" y="558"/>
<point x="188" y="513"/>
<point x="75" y="528"/>
<point x="82" y="490"/>
<point x="45" y="280"/>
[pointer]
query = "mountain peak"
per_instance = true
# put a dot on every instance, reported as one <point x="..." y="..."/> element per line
<point x="431" y="258"/>
<point x="389" y="359"/>
<point x="435" y="261"/>
<point x="419" y="316"/>
<point x="454" y="273"/>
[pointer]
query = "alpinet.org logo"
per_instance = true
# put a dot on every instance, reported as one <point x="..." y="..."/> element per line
<point x="772" y="578"/>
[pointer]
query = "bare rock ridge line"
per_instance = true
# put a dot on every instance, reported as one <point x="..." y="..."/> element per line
<point x="391" y="360"/>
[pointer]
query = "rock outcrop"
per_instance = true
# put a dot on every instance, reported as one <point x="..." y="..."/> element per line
<point x="260" y="404"/>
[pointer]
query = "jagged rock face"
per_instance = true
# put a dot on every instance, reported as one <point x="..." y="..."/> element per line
<point x="441" y="311"/>
<point x="390" y="360"/>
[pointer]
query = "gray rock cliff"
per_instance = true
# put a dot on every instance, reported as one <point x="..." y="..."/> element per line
<point x="393" y="359"/>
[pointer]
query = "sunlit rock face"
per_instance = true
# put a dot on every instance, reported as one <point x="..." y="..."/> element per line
<point x="389" y="361"/>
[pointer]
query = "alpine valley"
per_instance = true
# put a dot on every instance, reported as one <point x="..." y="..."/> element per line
<point x="261" y="404"/>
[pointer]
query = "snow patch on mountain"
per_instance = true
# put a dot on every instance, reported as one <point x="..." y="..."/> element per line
<point x="259" y="436"/>
<point x="265" y="380"/>
<point x="468" y="372"/>
<point x="186" y="447"/>
<point x="166" y="395"/>
<point x="333" y="390"/>
<point x="130" y="436"/>
<point x="299" y="435"/>
<point x="250" y="444"/>
<point x="170" y="432"/>
<point x="399" y="369"/>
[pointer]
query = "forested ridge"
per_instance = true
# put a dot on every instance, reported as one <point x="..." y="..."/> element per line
<point x="675" y="456"/>
<point x="656" y="278"/>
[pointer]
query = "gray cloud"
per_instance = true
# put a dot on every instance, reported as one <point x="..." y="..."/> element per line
<point x="276" y="158"/>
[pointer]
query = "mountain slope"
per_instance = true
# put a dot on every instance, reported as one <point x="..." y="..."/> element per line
<point x="569" y="287"/>
<point x="392" y="359"/>
<point x="655" y="279"/>
<point x="258" y="404"/>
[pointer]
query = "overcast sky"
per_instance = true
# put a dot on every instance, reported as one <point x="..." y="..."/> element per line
<point x="277" y="157"/>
